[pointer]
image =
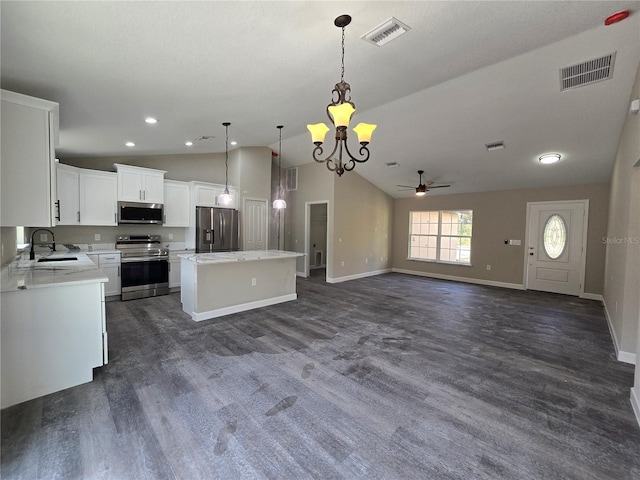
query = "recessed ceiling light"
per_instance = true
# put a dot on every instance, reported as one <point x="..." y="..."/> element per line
<point x="188" y="144"/>
<point x="549" y="158"/>
<point x="130" y="144"/>
<point x="150" y="120"/>
<point x="233" y="142"/>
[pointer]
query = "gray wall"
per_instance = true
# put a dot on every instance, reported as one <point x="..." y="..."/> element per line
<point x="498" y="216"/>
<point x="622" y="286"/>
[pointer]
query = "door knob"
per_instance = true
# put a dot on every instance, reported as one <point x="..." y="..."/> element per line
<point x="531" y="254"/>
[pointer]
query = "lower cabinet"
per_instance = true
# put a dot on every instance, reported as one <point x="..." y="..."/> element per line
<point x="174" y="267"/>
<point x="109" y="263"/>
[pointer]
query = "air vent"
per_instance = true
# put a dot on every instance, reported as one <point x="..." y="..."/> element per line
<point x="494" y="146"/>
<point x="391" y="164"/>
<point x="586" y="73"/>
<point x="385" y="32"/>
<point x="292" y="178"/>
<point x="205" y="137"/>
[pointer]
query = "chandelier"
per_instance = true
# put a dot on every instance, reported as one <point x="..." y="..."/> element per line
<point x="339" y="112"/>
<point x="279" y="202"/>
<point x="226" y="198"/>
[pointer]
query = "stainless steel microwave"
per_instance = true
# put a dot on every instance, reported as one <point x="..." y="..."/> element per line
<point x="141" y="213"/>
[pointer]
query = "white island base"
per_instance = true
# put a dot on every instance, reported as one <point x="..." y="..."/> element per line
<point x="217" y="284"/>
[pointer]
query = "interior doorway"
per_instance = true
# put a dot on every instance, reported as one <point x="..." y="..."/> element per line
<point x="255" y="225"/>
<point x="316" y="239"/>
<point x="556" y="246"/>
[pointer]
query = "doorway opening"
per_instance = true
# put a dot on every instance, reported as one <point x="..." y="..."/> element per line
<point x="316" y="239"/>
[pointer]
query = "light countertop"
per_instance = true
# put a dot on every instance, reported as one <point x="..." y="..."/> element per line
<point x="243" y="256"/>
<point x="23" y="273"/>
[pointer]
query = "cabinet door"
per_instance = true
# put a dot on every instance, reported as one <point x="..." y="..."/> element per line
<point x="28" y="185"/>
<point x="130" y="185"/>
<point x="174" y="272"/>
<point x="112" y="271"/>
<point x="207" y="195"/>
<point x="176" y="204"/>
<point x="153" y="187"/>
<point x="98" y="198"/>
<point x="68" y="187"/>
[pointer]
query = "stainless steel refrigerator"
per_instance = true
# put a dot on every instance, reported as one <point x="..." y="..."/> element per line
<point x="216" y="229"/>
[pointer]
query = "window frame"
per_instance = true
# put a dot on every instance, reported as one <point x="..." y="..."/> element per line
<point x="439" y="237"/>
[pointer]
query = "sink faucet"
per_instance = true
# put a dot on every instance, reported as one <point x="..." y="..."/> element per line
<point x="32" y="254"/>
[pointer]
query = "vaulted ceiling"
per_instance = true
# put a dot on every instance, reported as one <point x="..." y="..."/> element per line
<point x="465" y="75"/>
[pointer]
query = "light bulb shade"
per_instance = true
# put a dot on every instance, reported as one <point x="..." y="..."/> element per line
<point x="549" y="158"/>
<point x="364" y="131"/>
<point x="341" y="114"/>
<point x="279" y="203"/>
<point x="318" y="132"/>
<point x="225" y="198"/>
<point x="420" y="193"/>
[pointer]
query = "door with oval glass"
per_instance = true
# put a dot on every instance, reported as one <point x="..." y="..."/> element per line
<point x="556" y="246"/>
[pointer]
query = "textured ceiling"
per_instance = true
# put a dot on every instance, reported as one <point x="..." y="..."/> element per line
<point x="466" y="74"/>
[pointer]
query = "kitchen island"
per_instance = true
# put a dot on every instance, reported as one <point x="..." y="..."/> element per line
<point x="217" y="284"/>
<point x="53" y="326"/>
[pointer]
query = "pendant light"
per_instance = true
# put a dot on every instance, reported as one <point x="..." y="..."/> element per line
<point x="279" y="202"/>
<point x="226" y="198"/>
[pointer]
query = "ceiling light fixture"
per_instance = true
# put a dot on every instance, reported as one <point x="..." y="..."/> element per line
<point x="150" y="120"/>
<point x="339" y="112"/>
<point x="226" y="198"/>
<point x="279" y="203"/>
<point x="129" y="144"/>
<point x="188" y="143"/>
<point x="549" y="158"/>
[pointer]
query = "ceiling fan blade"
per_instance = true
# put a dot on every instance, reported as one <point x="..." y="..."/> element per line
<point x="406" y="186"/>
<point x="407" y="189"/>
<point x="437" y="186"/>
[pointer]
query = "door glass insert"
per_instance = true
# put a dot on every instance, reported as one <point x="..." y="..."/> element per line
<point x="554" y="237"/>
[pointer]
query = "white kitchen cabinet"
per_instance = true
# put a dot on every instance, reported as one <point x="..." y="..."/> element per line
<point x="174" y="267"/>
<point x="68" y="188"/>
<point x="176" y="204"/>
<point x="98" y="198"/>
<point x="139" y="184"/>
<point x="206" y="195"/>
<point x="29" y="136"/>
<point x="109" y="263"/>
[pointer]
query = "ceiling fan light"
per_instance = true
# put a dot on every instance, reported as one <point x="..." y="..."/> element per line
<point x="341" y="114"/>
<point x="420" y="193"/>
<point x="318" y="132"/>
<point x="364" y="132"/>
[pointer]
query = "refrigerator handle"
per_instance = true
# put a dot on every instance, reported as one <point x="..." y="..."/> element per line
<point x="221" y="228"/>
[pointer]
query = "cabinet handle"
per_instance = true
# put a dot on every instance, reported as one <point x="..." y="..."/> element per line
<point x="140" y="194"/>
<point x="115" y="218"/>
<point x="118" y="270"/>
<point x="58" y="207"/>
<point x="78" y="216"/>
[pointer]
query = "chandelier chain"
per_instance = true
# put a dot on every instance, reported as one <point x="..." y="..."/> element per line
<point x="226" y="157"/>
<point x="342" y="71"/>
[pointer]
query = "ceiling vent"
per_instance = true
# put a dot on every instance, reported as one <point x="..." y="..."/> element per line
<point x="205" y="137"/>
<point x="586" y="73"/>
<point x="385" y="32"/>
<point x="494" y="146"/>
<point x="391" y="164"/>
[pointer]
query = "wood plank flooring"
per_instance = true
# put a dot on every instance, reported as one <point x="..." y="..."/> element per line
<point x="387" y="377"/>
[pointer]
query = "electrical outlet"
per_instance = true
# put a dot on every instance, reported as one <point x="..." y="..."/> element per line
<point x="253" y="282"/>
<point x="343" y="264"/>
<point x="43" y="237"/>
<point x="171" y="236"/>
<point x="366" y="260"/>
<point x="488" y="267"/>
<point x="96" y="237"/>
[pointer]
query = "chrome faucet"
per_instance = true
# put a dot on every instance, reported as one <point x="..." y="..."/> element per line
<point x="32" y="254"/>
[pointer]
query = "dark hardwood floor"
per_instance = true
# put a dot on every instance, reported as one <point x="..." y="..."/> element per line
<point x="387" y="377"/>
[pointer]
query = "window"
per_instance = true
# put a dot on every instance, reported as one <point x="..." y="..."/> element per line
<point x="441" y="236"/>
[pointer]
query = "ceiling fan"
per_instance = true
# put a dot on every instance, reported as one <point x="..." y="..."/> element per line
<point x="423" y="188"/>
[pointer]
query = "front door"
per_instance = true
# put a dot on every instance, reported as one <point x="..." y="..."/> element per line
<point x="255" y="225"/>
<point x="556" y="246"/>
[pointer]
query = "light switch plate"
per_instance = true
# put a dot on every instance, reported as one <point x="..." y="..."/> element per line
<point x="96" y="237"/>
<point x="515" y="242"/>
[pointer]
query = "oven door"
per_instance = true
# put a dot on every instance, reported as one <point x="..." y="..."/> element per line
<point x="144" y="277"/>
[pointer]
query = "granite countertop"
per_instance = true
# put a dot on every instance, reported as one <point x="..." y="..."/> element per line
<point x="22" y="273"/>
<point x="248" y="255"/>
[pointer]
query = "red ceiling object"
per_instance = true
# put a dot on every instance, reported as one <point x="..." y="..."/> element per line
<point x="616" y="17"/>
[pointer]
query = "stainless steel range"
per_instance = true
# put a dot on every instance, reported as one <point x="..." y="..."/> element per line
<point x="144" y="266"/>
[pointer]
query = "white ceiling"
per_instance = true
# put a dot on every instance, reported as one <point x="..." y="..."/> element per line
<point x="466" y="74"/>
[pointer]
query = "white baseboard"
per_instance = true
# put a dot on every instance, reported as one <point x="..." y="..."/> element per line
<point x="358" y="275"/>
<point x="301" y="274"/>
<point x="477" y="281"/>
<point x="621" y="355"/>
<point x="635" y="403"/>
<point x="219" y="312"/>
<point x="592" y="296"/>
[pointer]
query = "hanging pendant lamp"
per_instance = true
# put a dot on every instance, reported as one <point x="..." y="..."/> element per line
<point x="226" y="198"/>
<point x="279" y="202"/>
<point x="339" y="112"/>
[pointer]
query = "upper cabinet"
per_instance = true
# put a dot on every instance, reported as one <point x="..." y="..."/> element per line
<point x="29" y="136"/>
<point x="176" y="204"/>
<point x="205" y="194"/>
<point x="86" y="197"/>
<point x="138" y="184"/>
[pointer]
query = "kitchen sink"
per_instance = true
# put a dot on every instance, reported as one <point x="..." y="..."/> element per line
<point x="56" y="259"/>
